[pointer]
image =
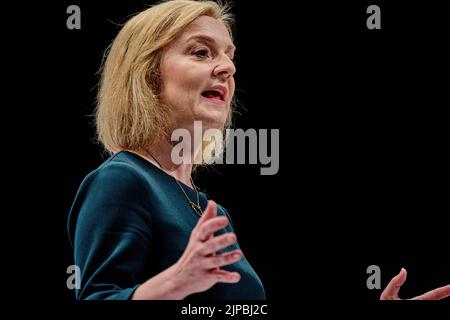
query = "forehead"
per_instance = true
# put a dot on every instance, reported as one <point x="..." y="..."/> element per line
<point x="208" y="27"/>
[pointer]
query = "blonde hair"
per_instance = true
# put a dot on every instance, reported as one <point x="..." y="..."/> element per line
<point x="128" y="113"/>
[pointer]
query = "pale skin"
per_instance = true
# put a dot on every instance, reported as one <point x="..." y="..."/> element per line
<point x="201" y="57"/>
<point x="392" y="289"/>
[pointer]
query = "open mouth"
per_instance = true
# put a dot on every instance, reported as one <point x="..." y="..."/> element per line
<point x="214" y="95"/>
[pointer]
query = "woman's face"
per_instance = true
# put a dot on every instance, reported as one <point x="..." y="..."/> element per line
<point x="197" y="74"/>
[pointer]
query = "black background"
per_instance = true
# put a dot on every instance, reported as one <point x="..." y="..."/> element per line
<point x="363" y="125"/>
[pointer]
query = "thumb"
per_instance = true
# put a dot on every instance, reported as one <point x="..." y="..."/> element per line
<point x="393" y="287"/>
<point x="401" y="277"/>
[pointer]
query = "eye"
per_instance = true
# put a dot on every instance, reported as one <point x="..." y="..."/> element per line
<point x="201" y="53"/>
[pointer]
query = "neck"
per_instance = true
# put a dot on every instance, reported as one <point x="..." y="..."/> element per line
<point x="160" y="156"/>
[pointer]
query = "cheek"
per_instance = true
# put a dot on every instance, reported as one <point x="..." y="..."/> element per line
<point x="232" y="86"/>
<point x="183" y="79"/>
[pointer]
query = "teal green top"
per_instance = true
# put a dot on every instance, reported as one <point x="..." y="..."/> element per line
<point x="129" y="221"/>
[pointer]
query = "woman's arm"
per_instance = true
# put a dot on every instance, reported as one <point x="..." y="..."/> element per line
<point x="111" y="231"/>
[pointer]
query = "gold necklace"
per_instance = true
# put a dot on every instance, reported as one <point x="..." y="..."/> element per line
<point x="195" y="206"/>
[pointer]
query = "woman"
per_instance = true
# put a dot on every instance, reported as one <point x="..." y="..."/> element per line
<point x="139" y="227"/>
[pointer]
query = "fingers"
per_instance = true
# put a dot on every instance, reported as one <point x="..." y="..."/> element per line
<point x="226" y="276"/>
<point x="392" y="289"/>
<point x="208" y="215"/>
<point x="436" y="294"/>
<point x="211" y="226"/>
<point x="210" y="212"/>
<point x="221" y="260"/>
<point x="209" y="223"/>
<point x="218" y="243"/>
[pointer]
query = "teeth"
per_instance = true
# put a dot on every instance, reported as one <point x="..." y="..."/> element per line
<point x="217" y="90"/>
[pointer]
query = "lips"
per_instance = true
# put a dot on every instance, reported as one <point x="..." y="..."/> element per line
<point x="216" y="94"/>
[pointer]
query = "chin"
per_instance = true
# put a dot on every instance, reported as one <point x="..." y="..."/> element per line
<point x="213" y="122"/>
<point x="213" y="119"/>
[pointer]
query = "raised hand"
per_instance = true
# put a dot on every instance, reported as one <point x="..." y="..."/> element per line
<point x="392" y="289"/>
<point x="199" y="268"/>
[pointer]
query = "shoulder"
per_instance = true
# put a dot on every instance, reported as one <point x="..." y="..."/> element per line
<point x="116" y="173"/>
<point x="117" y="181"/>
<point x="116" y="187"/>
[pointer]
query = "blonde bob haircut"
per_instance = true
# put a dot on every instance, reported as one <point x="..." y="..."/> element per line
<point x="128" y="113"/>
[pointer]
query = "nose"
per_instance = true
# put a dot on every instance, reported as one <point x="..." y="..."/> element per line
<point x="225" y="69"/>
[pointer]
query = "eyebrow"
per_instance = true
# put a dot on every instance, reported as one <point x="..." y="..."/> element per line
<point x="206" y="38"/>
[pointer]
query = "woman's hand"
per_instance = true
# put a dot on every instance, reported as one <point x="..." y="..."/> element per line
<point x="392" y="289"/>
<point x="199" y="268"/>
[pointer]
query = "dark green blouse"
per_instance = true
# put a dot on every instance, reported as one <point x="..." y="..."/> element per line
<point x="129" y="221"/>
